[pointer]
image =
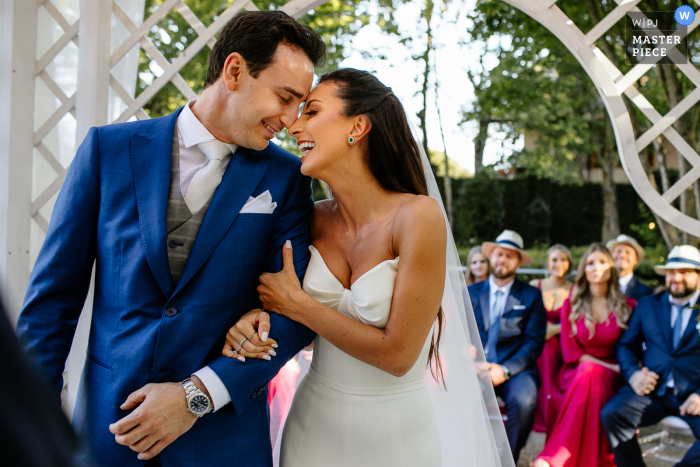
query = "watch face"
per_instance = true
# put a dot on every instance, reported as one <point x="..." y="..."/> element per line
<point x="199" y="404"/>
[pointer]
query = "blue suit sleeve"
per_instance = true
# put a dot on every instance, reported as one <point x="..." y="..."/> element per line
<point x="629" y="347"/>
<point x="535" y="331"/>
<point x="60" y="279"/>
<point x="245" y="381"/>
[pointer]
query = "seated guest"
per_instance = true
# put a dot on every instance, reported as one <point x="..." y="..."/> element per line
<point x="592" y="321"/>
<point x="555" y="289"/>
<point x="627" y="254"/>
<point x="512" y="323"/>
<point x="663" y="335"/>
<point x="477" y="266"/>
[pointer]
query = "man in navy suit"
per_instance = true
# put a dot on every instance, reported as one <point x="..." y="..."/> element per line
<point x="627" y="254"/>
<point x="662" y="334"/>
<point x="512" y="323"/>
<point x="179" y="216"/>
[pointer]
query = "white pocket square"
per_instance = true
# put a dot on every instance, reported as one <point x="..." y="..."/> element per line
<point x="519" y="307"/>
<point x="261" y="204"/>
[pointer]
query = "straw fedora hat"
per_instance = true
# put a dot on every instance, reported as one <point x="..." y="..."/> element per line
<point x="680" y="257"/>
<point x="510" y="240"/>
<point x="629" y="241"/>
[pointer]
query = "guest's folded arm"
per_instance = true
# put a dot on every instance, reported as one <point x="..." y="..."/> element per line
<point x="535" y="330"/>
<point x="629" y="347"/>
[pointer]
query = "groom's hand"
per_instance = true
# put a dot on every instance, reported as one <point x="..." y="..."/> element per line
<point x="160" y="417"/>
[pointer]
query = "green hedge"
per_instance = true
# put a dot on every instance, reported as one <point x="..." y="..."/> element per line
<point x="543" y="212"/>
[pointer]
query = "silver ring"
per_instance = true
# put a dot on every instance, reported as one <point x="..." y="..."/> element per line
<point x="237" y="350"/>
<point x="243" y="341"/>
<point x="251" y="336"/>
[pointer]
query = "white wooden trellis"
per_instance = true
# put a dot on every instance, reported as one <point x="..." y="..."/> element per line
<point x="612" y="84"/>
<point x="98" y="58"/>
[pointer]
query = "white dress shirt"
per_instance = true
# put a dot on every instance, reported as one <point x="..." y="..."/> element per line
<point x="685" y="316"/>
<point x="493" y="313"/>
<point x="191" y="132"/>
<point x="624" y="281"/>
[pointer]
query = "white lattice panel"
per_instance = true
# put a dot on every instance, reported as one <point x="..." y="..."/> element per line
<point x="612" y="84"/>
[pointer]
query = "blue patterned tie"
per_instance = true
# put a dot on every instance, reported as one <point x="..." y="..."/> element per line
<point x="677" y="326"/>
<point x="491" y="354"/>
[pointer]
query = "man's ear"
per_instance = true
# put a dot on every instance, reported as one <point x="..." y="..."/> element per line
<point x="361" y="127"/>
<point x="235" y="68"/>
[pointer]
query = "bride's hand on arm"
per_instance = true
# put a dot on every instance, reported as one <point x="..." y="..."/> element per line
<point x="252" y="329"/>
<point x="282" y="292"/>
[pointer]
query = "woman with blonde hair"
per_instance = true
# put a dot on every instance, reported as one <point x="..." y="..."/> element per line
<point x="555" y="289"/>
<point x="478" y="267"/>
<point x="592" y="320"/>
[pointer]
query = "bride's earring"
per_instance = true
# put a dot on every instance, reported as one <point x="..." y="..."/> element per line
<point x="351" y="140"/>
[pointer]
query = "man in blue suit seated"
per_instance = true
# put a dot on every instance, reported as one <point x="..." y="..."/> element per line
<point x="659" y="356"/>
<point x="627" y="254"/>
<point x="512" y="323"/>
<point x="179" y="216"/>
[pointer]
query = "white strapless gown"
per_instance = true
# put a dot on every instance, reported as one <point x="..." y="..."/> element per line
<point x="347" y="413"/>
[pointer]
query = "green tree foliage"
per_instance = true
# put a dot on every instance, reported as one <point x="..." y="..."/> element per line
<point x="336" y="21"/>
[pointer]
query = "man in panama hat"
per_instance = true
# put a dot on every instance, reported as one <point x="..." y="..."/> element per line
<point x="664" y="333"/>
<point x="627" y="254"/>
<point x="512" y="322"/>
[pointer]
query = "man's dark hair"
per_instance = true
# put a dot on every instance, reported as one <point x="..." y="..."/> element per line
<point x="255" y="35"/>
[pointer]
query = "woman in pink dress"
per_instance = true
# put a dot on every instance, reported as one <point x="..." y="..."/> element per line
<point x="555" y="289"/>
<point x="592" y="320"/>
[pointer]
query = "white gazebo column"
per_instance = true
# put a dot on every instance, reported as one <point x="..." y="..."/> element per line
<point x="18" y="36"/>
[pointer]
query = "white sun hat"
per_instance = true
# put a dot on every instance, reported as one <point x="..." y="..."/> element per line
<point x="508" y="239"/>
<point x="680" y="257"/>
<point x="629" y="241"/>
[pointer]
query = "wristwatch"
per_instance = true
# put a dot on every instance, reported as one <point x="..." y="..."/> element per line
<point x="506" y="372"/>
<point x="197" y="402"/>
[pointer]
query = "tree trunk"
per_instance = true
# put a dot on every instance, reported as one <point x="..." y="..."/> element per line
<point x="608" y="163"/>
<point x="428" y="15"/>
<point x="668" y="231"/>
<point x="480" y="144"/>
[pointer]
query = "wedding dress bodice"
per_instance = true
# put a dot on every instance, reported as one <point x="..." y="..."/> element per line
<point x="347" y="413"/>
<point x="368" y="300"/>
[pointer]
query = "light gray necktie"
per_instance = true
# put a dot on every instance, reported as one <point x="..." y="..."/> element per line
<point x="207" y="179"/>
<point x="495" y="327"/>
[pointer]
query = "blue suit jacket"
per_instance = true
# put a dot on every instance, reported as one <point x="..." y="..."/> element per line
<point x="650" y="325"/>
<point x="111" y="212"/>
<point x="522" y="329"/>
<point x="637" y="290"/>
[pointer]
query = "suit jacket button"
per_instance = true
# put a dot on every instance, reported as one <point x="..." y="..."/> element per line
<point x="173" y="243"/>
<point x="170" y="312"/>
<point x="672" y="358"/>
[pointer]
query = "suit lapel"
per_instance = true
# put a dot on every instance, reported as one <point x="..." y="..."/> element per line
<point x="242" y="176"/>
<point x="629" y="292"/>
<point x="665" y="321"/>
<point x="485" y="303"/>
<point x="691" y="330"/>
<point x="151" y="156"/>
<point x="512" y="299"/>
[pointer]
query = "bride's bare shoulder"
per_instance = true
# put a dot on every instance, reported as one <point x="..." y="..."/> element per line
<point x="420" y="216"/>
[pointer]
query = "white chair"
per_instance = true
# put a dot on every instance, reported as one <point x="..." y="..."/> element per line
<point x="670" y="426"/>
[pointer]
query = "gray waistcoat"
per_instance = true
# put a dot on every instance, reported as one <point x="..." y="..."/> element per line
<point x="182" y="226"/>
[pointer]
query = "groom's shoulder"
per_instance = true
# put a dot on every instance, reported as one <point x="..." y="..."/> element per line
<point x="148" y="128"/>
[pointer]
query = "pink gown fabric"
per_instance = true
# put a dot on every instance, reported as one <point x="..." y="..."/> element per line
<point x="576" y="437"/>
<point x="549" y="364"/>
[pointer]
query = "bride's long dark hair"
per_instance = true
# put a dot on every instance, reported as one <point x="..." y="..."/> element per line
<point x="392" y="155"/>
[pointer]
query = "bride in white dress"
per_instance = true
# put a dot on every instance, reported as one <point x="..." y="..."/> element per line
<point x="396" y="375"/>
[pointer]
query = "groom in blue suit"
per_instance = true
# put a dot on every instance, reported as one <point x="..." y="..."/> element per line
<point x="662" y="335"/>
<point x="179" y="216"/>
<point x="512" y="323"/>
